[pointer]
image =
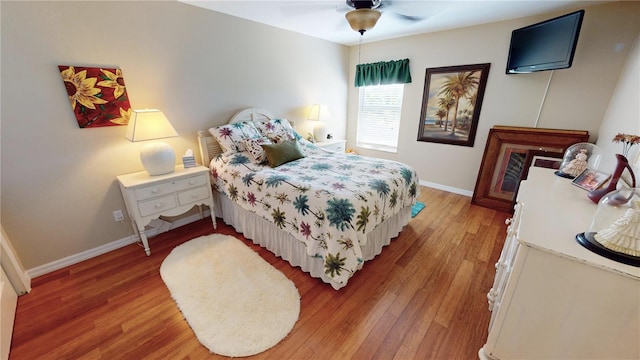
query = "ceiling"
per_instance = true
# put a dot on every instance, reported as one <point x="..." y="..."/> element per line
<point x="325" y="19"/>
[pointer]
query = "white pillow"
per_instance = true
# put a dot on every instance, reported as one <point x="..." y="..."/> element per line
<point x="277" y="130"/>
<point x="231" y="136"/>
<point x="255" y="149"/>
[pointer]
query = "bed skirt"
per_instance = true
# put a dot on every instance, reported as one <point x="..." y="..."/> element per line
<point x="284" y="245"/>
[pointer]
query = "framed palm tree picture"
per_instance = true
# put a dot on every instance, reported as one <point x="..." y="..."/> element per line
<point x="451" y="103"/>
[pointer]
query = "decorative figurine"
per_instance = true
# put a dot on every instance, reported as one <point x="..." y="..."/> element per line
<point x="578" y="157"/>
<point x="576" y="166"/>
<point x="615" y="229"/>
<point x="623" y="235"/>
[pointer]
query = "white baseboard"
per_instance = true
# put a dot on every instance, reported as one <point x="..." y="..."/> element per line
<point x="74" y="259"/>
<point x="447" y="188"/>
<point x="12" y="267"/>
<point x="103" y="249"/>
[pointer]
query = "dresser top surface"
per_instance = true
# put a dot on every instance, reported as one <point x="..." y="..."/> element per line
<point x="143" y="177"/>
<point x="554" y="212"/>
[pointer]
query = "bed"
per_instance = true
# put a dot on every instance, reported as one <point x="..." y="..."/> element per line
<point x="327" y="213"/>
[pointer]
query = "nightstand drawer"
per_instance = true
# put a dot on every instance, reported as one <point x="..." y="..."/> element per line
<point x="336" y="148"/>
<point x="191" y="182"/>
<point x="148" y="192"/>
<point x="157" y="205"/>
<point x="333" y="145"/>
<point x="189" y="196"/>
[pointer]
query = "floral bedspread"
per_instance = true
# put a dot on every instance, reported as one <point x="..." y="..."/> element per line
<point x="329" y="201"/>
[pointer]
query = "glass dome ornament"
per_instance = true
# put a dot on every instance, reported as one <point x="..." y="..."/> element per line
<point x="615" y="230"/>
<point x="579" y="157"/>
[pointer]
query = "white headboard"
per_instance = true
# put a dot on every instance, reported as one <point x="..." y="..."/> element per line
<point x="251" y="114"/>
<point x="209" y="147"/>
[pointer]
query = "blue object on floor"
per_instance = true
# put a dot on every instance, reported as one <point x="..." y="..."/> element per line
<point x="415" y="209"/>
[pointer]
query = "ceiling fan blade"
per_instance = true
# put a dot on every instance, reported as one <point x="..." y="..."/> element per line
<point x="396" y="8"/>
<point x="407" y="17"/>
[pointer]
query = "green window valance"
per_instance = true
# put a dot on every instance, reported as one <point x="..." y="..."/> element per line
<point x="383" y="73"/>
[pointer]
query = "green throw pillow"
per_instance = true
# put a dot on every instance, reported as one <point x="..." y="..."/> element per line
<point x="282" y="152"/>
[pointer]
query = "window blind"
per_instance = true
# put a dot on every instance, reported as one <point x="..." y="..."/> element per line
<point x="379" y="112"/>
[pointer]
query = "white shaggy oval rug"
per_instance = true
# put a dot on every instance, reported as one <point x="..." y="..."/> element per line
<point x="236" y="302"/>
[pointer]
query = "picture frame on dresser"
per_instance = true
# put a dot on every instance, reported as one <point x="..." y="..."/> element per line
<point x="505" y="156"/>
<point x="590" y="179"/>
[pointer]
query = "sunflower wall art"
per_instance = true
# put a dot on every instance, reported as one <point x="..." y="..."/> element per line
<point x="98" y="96"/>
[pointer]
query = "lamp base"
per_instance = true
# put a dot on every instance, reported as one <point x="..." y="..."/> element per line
<point x="158" y="158"/>
<point x="320" y="132"/>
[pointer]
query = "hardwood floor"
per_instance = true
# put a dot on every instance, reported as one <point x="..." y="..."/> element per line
<point x="423" y="297"/>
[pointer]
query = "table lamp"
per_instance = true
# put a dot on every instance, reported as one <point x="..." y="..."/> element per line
<point x="150" y="124"/>
<point x="319" y="113"/>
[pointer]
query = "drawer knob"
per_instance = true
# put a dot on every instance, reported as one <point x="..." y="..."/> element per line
<point x="154" y="191"/>
<point x="192" y="182"/>
<point x="158" y="205"/>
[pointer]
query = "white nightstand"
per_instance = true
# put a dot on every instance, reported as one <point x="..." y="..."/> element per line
<point x="333" y="145"/>
<point x="148" y="197"/>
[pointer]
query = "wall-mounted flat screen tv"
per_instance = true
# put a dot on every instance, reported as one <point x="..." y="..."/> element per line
<point x="547" y="45"/>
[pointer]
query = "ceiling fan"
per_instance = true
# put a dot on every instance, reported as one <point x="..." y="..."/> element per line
<point x="365" y="14"/>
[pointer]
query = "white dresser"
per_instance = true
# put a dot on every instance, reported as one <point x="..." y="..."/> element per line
<point x="552" y="298"/>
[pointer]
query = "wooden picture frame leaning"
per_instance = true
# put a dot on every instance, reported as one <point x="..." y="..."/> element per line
<point x="538" y="158"/>
<point x="505" y="154"/>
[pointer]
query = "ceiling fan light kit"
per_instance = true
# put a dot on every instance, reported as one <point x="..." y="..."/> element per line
<point x="363" y="19"/>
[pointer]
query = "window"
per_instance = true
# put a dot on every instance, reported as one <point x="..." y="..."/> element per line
<point x="379" y="110"/>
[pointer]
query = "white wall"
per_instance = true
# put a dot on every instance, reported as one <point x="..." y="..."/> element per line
<point x="623" y="114"/>
<point x="577" y="97"/>
<point x="199" y="67"/>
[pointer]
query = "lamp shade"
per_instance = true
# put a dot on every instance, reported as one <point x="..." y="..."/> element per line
<point x="319" y="113"/>
<point x="362" y="20"/>
<point x="150" y="124"/>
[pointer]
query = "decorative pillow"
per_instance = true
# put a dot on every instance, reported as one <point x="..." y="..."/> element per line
<point x="231" y="136"/>
<point x="280" y="137"/>
<point x="255" y="150"/>
<point x="282" y="153"/>
<point x="277" y="130"/>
